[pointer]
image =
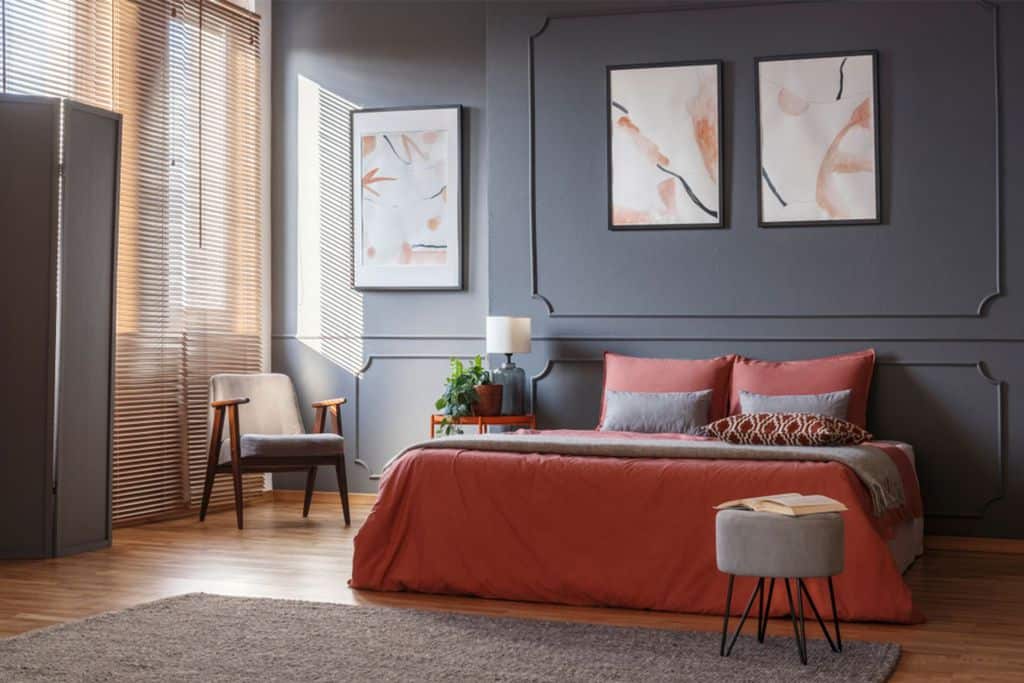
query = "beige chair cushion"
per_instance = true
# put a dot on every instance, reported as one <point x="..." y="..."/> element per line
<point x="284" y="446"/>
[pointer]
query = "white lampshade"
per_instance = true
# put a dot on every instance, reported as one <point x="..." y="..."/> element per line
<point x="508" y="335"/>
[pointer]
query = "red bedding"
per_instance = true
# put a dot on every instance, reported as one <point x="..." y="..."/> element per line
<point x="635" y="533"/>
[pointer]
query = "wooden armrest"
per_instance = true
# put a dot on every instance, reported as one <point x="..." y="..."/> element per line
<point x="330" y="402"/>
<point x="228" y="402"/>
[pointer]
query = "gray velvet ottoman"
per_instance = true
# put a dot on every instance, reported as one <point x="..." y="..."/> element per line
<point x="773" y="546"/>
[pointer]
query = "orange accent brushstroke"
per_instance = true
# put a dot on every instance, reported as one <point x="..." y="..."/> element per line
<point x="624" y="216"/>
<point x="646" y="146"/>
<point x="411" y="147"/>
<point x="431" y="136"/>
<point x="667" y="192"/>
<point x="370" y="252"/>
<point x="369" y="144"/>
<point x="837" y="161"/>
<point x="371" y="177"/>
<point x="791" y="103"/>
<point x="429" y="258"/>
<point x="421" y="258"/>
<point x="434" y="223"/>
<point x="703" y="108"/>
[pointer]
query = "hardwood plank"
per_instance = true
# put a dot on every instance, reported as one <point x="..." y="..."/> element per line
<point x="974" y="601"/>
<point x="1013" y="546"/>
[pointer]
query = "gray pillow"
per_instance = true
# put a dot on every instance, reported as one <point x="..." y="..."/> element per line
<point x="832" y="404"/>
<point x="656" y="412"/>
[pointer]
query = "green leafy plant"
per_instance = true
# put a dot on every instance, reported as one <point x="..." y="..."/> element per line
<point x="460" y="392"/>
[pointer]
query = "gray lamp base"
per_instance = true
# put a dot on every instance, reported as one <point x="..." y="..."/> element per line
<point x="513" y="381"/>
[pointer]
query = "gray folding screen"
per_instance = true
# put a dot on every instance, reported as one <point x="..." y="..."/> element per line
<point x="58" y="245"/>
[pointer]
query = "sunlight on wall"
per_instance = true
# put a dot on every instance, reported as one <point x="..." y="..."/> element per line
<point x="330" y="312"/>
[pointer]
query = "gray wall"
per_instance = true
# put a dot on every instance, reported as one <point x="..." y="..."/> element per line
<point x="379" y="54"/>
<point x="932" y="288"/>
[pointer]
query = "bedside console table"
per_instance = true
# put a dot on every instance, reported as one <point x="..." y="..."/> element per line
<point x="482" y="423"/>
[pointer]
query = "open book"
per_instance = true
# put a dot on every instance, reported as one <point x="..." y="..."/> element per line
<point x="791" y="504"/>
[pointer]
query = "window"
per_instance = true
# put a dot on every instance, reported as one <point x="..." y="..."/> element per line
<point x="185" y="75"/>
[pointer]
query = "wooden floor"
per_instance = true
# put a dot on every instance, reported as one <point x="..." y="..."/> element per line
<point x="974" y="601"/>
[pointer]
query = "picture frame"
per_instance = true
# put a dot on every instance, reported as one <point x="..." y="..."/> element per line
<point x="407" y="217"/>
<point x="799" y="190"/>
<point x="687" y="193"/>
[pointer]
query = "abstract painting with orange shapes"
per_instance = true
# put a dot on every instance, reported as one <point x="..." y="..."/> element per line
<point x="664" y="146"/>
<point x="818" y="135"/>
<point x="406" y="198"/>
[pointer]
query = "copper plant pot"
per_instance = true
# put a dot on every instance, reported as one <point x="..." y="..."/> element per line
<point x="489" y="402"/>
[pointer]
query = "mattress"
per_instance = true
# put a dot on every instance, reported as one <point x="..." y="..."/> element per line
<point x="907" y="542"/>
<point x="604" y="531"/>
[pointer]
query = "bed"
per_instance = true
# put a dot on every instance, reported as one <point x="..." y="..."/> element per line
<point x="631" y="532"/>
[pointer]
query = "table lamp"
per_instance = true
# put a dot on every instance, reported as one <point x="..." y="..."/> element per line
<point x="507" y="336"/>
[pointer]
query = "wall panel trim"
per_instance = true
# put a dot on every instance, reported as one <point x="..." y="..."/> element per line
<point x="535" y="293"/>
<point x="980" y="366"/>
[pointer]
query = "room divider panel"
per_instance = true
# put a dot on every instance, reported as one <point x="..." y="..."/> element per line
<point x="58" y="252"/>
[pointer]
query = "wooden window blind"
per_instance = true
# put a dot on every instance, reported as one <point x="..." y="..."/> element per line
<point x="185" y="76"/>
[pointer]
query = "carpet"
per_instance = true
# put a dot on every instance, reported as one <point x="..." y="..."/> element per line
<point x="215" y="638"/>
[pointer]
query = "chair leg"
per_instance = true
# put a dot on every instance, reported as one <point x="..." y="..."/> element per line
<point x="207" y="489"/>
<point x="236" y="475"/>
<point x="236" y="462"/>
<point x="339" y="469"/>
<point x="213" y="455"/>
<point x="310" y="482"/>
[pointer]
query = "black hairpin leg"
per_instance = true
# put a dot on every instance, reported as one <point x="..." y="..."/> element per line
<point x="821" y="622"/>
<point x="766" y="607"/>
<point x="758" y="591"/>
<point x="835" y="615"/>
<point x="725" y="619"/>
<point x="798" y="631"/>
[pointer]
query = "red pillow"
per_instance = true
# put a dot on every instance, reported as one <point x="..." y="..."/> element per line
<point x="786" y="429"/>
<point x="818" y="376"/>
<point x="626" y="373"/>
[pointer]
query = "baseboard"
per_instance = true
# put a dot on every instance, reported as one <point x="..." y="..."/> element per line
<point x="223" y="506"/>
<point x="324" y="496"/>
<point x="973" y="544"/>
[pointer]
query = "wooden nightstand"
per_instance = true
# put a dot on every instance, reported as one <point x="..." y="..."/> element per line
<point x="482" y="423"/>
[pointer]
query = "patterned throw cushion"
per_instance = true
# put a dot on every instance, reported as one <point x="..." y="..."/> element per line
<point x="786" y="429"/>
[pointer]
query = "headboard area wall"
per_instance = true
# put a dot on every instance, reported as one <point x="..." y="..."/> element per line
<point x="931" y="287"/>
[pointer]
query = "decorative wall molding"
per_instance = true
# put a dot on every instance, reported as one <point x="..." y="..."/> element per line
<point x="1001" y="429"/>
<point x="1001" y="454"/>
<point x="657" y="338"/>
<point x="535" y="293"/>
<point x="374" y="476"/>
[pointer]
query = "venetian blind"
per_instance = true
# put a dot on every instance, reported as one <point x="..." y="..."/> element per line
<point x="184" y="74"/>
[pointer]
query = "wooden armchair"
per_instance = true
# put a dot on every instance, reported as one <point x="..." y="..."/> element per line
<point x="265" y="434"/>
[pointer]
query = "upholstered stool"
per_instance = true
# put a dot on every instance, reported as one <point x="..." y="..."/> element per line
<point x="773" y="546"/>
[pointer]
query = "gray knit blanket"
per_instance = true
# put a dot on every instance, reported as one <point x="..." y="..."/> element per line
<point x="872" y="465"/>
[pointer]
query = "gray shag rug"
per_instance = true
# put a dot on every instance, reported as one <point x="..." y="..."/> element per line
<point x="215" y="638"/>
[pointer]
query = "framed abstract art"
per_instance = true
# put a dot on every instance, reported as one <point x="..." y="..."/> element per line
<point x="818" y="143"/>
<point x="665" y="146"/>
<point x="407" y="198"/>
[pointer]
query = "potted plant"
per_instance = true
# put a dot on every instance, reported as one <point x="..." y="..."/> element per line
<point x="467" y="391"/>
